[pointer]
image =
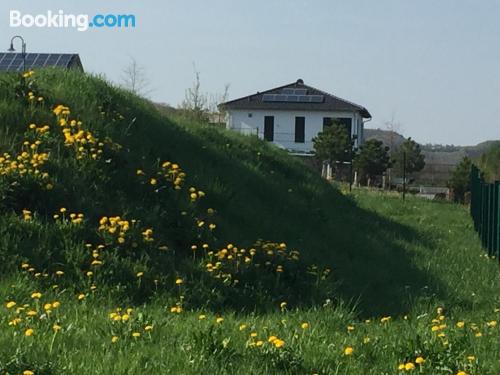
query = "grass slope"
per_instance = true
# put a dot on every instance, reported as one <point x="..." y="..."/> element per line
<point x="388" y="258"/>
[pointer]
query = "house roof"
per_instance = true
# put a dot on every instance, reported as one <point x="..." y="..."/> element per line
<point x="313" y="99"/>
<point x="13" y="62"/>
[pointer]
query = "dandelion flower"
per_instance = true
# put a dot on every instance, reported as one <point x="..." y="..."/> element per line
<point x="148" y="328"/>
<point x="202" y="316"/>
<point x="278" y="343"/>
<point x="140" y="274"/>
<point x="81" y="296"/>
<point x="219" y="320"/>
<point x="29" y="332"/>
<point x="136" y="334"/>
<point x="28" y="372"/>
<point x="348" y="351"/>
<point x="56" y="327"/>
<point x="460" y="324"/>
<point x="304" y="325"/>
<point x="10" y="304"/>
<point x="419" y="360"/>
<point x="409" y="366"/>
<point x="36" y="295"/>
<point x="242" y="327"/>
<point x="114" y="339"/>
<point x="179" y="281"/>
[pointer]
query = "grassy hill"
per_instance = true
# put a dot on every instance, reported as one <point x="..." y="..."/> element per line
<point x="134" y="242"/>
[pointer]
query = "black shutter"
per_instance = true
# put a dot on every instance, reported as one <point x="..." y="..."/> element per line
<point x="300" y="129"/>
<point x="269" y="128"/>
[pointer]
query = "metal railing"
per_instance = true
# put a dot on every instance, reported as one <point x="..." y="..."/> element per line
<point x="485" y="211"/>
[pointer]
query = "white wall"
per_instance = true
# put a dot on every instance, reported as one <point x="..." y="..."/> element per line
<point x="252" y="122"/>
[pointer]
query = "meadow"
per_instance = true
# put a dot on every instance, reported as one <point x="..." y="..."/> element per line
<point x="133" y="242"/>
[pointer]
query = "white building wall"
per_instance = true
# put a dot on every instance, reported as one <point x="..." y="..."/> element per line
<point x="251" y="122"/>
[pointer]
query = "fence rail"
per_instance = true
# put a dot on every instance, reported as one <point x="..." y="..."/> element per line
<point x="485" y="211"/>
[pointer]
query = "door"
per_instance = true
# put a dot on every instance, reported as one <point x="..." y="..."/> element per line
<point x="269" y="128"/>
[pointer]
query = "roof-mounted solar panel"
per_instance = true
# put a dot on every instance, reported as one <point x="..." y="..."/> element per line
<point x="317" y="98"/>
<point x="14" y="61"/>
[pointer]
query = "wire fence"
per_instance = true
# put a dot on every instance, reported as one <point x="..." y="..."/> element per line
<point x="485" y="211"/>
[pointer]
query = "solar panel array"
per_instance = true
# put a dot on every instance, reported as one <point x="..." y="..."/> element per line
<point x="14" y="61"/>
<point x="290" y="91"/>
<point x="293" y="98"/>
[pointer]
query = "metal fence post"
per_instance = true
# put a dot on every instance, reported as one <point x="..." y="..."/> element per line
<point x="497" y="220"/>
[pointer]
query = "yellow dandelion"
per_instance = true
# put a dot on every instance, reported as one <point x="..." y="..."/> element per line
<point x="304" y="325"/>
<point x="348" y="351"/>
<point x="29" y="332"/>
<point x="10" y="304"/>
<point x="419" y="360"/>
<point x="409" y="366"/>
<point x="136" y="334"/>
<point x="114" y="339"/>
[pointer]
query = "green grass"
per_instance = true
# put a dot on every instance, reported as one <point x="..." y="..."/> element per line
<point x="388" y="258"/>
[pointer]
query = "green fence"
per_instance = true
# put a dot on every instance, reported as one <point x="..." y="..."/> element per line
<point x="485" y="211"/>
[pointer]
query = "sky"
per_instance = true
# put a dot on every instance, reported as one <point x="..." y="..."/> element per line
<point x="429" y="67"/>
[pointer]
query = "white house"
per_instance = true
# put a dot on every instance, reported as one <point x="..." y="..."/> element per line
<point x="292" y="115"/>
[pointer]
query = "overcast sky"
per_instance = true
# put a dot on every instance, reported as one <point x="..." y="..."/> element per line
<point x="431" y="66"/>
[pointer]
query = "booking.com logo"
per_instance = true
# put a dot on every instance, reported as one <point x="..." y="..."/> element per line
<point x="81" y="22"/>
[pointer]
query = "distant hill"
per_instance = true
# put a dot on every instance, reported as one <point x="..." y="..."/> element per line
<point x="390" y="138"/>
<point x="440" y="159"/>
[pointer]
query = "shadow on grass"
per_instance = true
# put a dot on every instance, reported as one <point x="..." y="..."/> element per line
<point x="261" y="193"/>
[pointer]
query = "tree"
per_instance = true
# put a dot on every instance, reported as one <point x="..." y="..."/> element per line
<point x="333" y="144"/>
<point x="460" y="179"/>
<point x="415" y="160"/>
<point x="489" y="162"/>
<point x="372" y="160"/>
<point x="195" y="103"/>
<point x="134" y="78"/>
<point x="214" y="101"/>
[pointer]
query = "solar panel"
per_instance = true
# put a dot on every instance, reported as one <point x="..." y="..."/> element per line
<point x="14" y="61"/>
<point x="317" y="98"/>
<point x="300" y="92"/>
<point x="293" y="91"/>
<point x="293" y="98"/>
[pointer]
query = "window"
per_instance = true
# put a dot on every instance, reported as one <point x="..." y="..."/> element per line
<point x="269" y="128"/>
<point x="327" y="121"/>
<point x="344" y="121"/>
<point x="300" y="129"/>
